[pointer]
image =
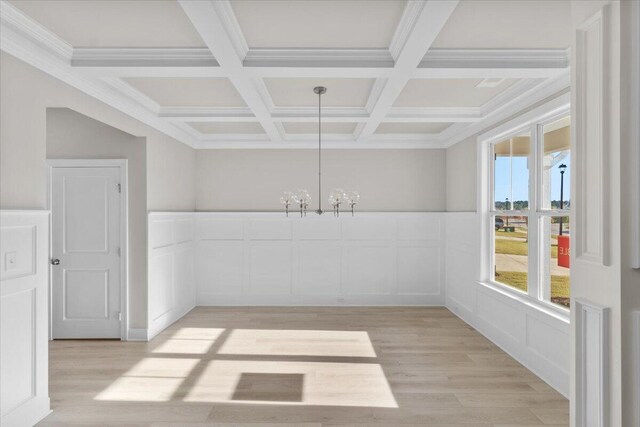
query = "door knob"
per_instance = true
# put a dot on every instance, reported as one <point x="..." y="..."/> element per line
<point x="55" y="261"/>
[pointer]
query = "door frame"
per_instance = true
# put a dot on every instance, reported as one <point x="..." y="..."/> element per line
<point x="122" y="165"/>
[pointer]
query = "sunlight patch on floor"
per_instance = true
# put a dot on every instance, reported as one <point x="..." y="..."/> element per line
<point x="150" y="380"/>
<point x="277" y="342"/>
<point x="325" y="384"/>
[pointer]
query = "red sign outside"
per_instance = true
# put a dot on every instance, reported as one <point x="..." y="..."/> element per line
<point x="564" y="251"/>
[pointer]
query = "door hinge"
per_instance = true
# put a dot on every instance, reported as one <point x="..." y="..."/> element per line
<point x="119" y="188"/>
<point x="120" y="316"/>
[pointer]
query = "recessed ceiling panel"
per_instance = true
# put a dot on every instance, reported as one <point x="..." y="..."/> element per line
<point x="292" y="92"/>
<point x="507" y="25"/>
<point x="318" y="24"/>
<point x="448" y="93"/>
<point x="329" y="127"/>
<point x="189" y="92"/>
<point x="131" y="23"/>
<point x="228" y="127"/>
<point x="412" y="128"/>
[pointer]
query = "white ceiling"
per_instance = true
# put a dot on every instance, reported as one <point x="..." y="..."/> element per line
<point x="108" y="23"/>
<point x="299" y="92"/>
<point x="448" y="93"/>
<point x="318" y="24"/>
<point x="312" y="128"/>
<point x="412" y="128"/>
<point x="501" y="24"/>
<point x="195" y="92"/>
<point x="226" y="74"/>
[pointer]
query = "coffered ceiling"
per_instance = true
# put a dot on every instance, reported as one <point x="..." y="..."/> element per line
<point x="240" y="74"/>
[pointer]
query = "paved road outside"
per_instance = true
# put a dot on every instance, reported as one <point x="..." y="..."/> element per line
<point x="519" y="263"/>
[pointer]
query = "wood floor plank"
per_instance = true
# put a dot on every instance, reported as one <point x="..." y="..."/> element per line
<point x="300" y="366"/>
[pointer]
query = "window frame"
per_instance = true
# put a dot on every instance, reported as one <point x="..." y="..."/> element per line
<point x="531" y="122"/>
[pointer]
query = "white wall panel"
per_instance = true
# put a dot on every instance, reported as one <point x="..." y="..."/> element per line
<point x="269" y="229"/>
<point x="419" y="270"/>
<point x="320" y="260"/>
<point x="220" y="269"/>
<point x="24" y="272"/>
<point x="319" y="270"/>
<point x="369" y="270"/>
<point x="270" y="270"/>
<point x="592" y="382"/>
<point x="220" y="229"/>
<point x="537" y="339"/>
<point x="172" y="290"/>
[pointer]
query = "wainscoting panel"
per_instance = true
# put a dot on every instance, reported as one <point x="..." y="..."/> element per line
<point x="24" y="273"/>
<point x="269" y="259"/>
<point x="592" y="382"/>
<point x="537" y="339"/>
<point x="171" y="269"/>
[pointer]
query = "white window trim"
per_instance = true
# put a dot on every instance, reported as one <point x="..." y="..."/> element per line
<point x="531" y="121"/>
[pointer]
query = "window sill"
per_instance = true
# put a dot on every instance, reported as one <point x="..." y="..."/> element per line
<point x="540" y="306"/>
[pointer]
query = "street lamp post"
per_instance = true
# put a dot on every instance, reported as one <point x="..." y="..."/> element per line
<point x="562" y="168"/>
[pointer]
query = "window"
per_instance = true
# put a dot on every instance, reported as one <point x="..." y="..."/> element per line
<point x="528" y="208"/>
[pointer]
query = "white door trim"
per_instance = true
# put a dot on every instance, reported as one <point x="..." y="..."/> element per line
<point x="124" y="229"/>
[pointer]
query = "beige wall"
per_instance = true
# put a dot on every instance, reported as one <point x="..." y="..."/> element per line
<point x="388" y="180"/>
<point x="26" y="95"/>
<point x="462" y="173"/>
<point x="72" y="135"/>
<point x="170" y="176"/>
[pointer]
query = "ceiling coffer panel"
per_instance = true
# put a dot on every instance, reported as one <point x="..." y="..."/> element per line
<point x="329" y="24"/>
<point x="188" y="92"/>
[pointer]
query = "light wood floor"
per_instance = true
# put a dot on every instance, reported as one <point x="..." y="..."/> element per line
<point x="300" y="366"/>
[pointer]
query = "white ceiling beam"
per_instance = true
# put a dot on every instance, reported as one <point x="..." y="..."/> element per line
<point x="429" y="21"/>
<point x="319" y="58"/>
<point x="207" y="114"/>
<point x="496" y="58"/>
<point x="142" y="57"/>
<point x="210" y="19"/>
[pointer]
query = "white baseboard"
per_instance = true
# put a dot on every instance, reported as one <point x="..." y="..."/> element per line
<point x="210" y="299"/>
<point x="166" y="321"/>
<point x="138" y="334"/>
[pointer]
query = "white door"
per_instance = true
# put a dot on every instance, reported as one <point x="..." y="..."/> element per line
<point x="85" y="210"/>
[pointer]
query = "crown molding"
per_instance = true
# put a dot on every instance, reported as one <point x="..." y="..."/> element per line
<point x="129" y="91"/>
<point x="496" y="58"/>
<point x="366" y="58"/>
<point x="12" y="20"/>
<point x="410" y="16"/>
<point x="509" y="94"/>
<point x="143" y="57"/>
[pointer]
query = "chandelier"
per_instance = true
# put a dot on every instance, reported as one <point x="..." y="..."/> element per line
<point x="337" y="197"/>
